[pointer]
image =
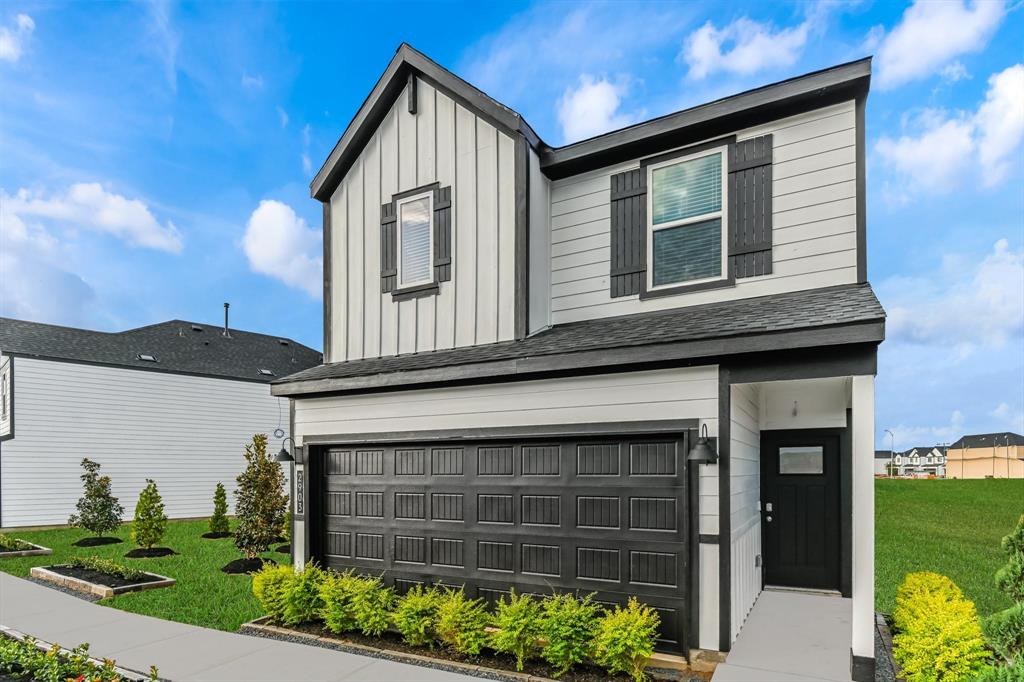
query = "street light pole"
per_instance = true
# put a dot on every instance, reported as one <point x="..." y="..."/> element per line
<point x="892" y="449"/>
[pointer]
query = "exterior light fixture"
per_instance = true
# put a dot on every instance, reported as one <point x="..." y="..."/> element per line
<point x="703" y="452"/>
<point x="284" y="455"/>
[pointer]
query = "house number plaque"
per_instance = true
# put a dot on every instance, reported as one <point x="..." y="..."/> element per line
<point x="299" y="474"/>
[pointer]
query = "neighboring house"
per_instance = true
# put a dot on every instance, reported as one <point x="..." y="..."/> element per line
<point x="921" y="462"/>
<point x="524" y="342"/>
<point x="884" y="460"/>
<point x="986" y="455"/>
<point x="175" y="402"/>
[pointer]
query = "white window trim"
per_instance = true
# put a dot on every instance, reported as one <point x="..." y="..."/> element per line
<point x="429" y="194"/>
<point x="722" y="213"/>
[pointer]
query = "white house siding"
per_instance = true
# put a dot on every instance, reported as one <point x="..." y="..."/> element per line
<point x="5" y="407"/>
<point x="540" y="246"/>
<point x="814" y="223"/>
<point x="187" y="433"/>
<point x="745" y="501"/>
<point x="446" y="143"/>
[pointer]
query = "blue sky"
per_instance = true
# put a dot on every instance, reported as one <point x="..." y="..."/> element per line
<point x="155" y="158"/>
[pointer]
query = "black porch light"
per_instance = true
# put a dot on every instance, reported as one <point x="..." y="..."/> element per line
<point x="702" y="452"/>
<point x="284" y="455"/>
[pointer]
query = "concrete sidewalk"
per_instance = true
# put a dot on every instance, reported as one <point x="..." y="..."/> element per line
<point x="184" y="652"/>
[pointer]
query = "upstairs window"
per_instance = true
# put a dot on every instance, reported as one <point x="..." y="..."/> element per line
<point x="416" y="240"/>
<point x="686" y="243"/>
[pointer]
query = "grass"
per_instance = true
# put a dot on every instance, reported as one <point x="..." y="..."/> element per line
<point x="952" y="527"/>
<point x="203" y="594"/>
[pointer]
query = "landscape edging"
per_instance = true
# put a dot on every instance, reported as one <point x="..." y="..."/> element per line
<point x="38" y="551"/>
<point x="43" y="645"/>
<point x="102" y="591"/>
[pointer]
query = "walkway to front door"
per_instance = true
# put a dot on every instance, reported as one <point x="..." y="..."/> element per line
<point x="791" y="637"/>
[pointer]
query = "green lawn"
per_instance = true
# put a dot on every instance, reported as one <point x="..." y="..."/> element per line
<point x="203" y="594"/>
<point x="951" y="527"/>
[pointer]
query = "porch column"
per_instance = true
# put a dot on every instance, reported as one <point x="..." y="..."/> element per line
<point x="863" y="484"/>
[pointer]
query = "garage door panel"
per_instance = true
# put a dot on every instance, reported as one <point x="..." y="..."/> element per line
<point x="604" y="515"/>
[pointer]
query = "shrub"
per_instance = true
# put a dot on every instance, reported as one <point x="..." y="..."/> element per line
<point x="569" y="624"/>
<point x="271" y="585"/>
<point x="302" y="598"/>
<point x="219" y="521"/>
<point x="939" y="637"/>
<point x="1010" y="578"/>
<point x="518" y="620"/>
<point x="1004" y="631"/>
<point x="337" y="593"/>
<point x="98" y="510"/>
<point x="625" y="639"/>
<point x="286" y="529"/>
<point x="9" y="544"/>
<point x="462" y="623"/>
<point x="260" y="500"/>
<point x="1004" y="673"/>
<point x="101" y="565"/>
<point x="24" y="659"/>
<point x="416" y="615"/>
<point x="372" y="604"/>
<point x="150" y="522"/>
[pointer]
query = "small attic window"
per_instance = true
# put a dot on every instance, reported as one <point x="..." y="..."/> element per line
<point x="196" y="328"/>
<point x="283" y="342"/>
<point x="265" y="372"/>
<point x="145" y="357"/>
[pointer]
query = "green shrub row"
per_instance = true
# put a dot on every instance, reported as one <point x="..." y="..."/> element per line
<point x="24" y="659"/>
<point x="101" y="565"/>
<point x="9" y="544"/>
<point x="565" y="630"/>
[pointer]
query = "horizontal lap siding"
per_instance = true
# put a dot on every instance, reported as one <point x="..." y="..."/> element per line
<point x="187" y="433"/>
<point x="745" y="491"/>
<point x="813" y="214"/>
<point x="445" y="143"/>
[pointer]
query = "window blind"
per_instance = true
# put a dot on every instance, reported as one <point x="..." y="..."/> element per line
<point x="415" y="246"/>
<point x="688" y="189"/>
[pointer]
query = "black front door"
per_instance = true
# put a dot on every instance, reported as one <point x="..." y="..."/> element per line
<point x="800" y="508"/>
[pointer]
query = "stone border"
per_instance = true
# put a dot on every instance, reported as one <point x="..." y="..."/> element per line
<point x="43" y="645"/>
<point x="662" y="666"/>
<point x="102" y="591"/>
<point x="887" y="666"/>
<point x="38" y="550"/>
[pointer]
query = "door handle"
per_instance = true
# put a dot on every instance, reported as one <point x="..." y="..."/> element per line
<point x="768" y="519"/>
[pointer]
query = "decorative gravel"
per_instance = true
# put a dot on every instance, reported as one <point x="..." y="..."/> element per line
<point x="883" y="661"/>
<point x="66" y="590"/>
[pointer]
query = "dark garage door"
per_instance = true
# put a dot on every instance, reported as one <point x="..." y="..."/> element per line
<point x="602" y="515"/>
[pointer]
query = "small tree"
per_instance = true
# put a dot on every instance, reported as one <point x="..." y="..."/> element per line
<point x="150" y="522"/>
<point x="219" y="521"/>
<point x="260" y="500"/>
<point x="1005" y="629"/>
<point x="98" y="509"/>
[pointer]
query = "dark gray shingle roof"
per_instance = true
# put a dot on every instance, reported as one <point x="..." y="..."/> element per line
<point x="176" y="345"/>
<point x="987" y="440"/>
<point x="846" y="304"/>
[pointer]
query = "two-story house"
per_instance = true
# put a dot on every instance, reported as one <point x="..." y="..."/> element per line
<point x="986" y="455"/>
<point x="920" y="462"/>
<point x="525" y="344"/>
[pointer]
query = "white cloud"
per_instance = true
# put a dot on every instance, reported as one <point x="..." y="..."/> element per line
<point x="962" y="305"/>
<point x="945" y="147"/>
<point x="591" y="108"/>
<point x="280" y="244"/>
<point x="163" y="40"/>
<point x="13" y="38"/>
<point x="307" y="164"/>
<point x="306" y="135"/>
<point x="909" y="436"/>
<point x="742" y="47"/>
<point x="252" y="82"/>
<point x="1014" y="419"/>
<point x="954" y="71"/>
<point x="90" y="206"/>
<point x="931" y="34"/>
<point x="282" y="117"/>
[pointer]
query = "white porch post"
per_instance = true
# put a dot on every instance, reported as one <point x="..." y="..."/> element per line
<point x="863" y="587"/>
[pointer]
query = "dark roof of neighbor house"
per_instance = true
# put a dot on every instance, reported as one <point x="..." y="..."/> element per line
<point x="883" y="454"/>
<point x="177" y="346"/>
<point x="714" y="324"/>
<point x="987" y="440"/>
<point x="819" y="88"/>
<point x="922" y="450"/>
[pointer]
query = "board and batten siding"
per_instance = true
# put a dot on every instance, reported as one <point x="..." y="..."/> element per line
<point x="185" y="432"/>
<point x="443" y="142"/>
<point x="814" y="216"/>
<point x="745" y="501"/>
<point x="6" y="416"/>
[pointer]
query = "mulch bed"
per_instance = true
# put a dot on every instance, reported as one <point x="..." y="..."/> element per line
<point x="217" y="536"/>
<point x="151" y="553"/>
<point x="100" y="578"/>
<point x="240" y="566"/>
<point x="84" y="596"/>
<point x="97" y="542"/>
<point x="284" y="549"/>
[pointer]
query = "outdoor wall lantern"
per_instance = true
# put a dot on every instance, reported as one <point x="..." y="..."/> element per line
<point x="284" y="455"/>
<point x="703" y="452"/>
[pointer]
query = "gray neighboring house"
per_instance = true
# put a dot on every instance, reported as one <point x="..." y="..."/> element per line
<point x="921" y="462"/>
<point x="884" y="459"/>
<point x="175" y="402"/>
<point x="525" y="343"/>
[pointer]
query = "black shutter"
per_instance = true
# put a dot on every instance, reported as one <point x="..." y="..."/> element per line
<point x="750" y="207"/>
<point x="388" y="247"/>
<point x="629" y="226"/>
<point x="442" y="234"/>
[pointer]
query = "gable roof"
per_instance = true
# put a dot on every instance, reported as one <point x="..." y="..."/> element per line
<point x="178" y="347"/>
<point x="987" y="440"/>
<point x="922" y="450"/>
<point x="847" y="313"/>
<point x="883" y="454"/>
<point x="818" y="88"/>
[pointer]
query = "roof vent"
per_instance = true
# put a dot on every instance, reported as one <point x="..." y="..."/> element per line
<point x="145" y="357"/>
<point x="283" y="342"/>
<point x="196" y="328"/>
<point x="265" y="372"/>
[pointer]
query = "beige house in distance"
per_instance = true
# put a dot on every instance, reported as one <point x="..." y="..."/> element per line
<point x="986" y="455"/>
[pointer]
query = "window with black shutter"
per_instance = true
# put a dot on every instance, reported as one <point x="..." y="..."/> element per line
<point x="415" y="241"/>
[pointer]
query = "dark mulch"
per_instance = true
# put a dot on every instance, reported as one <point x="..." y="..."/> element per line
<point x="101" y="578"/>
<point x="284" y="549"/>
<point x="239" y="566"/>
<point x="152" y="552"/>
<point x="217" y="536"/>
<point x="97" y="542"/>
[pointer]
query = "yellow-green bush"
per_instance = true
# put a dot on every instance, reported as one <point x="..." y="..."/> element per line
<point x="272" y="585"/>
<point x="938" y="632"/>
<point x="625" y="639"/>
